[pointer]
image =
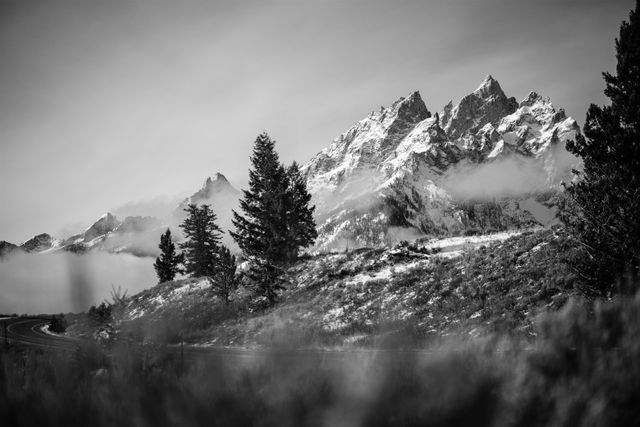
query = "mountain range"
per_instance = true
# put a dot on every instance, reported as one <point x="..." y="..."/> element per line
<point x="137" y="235"/>
<point x="487" y="163"/>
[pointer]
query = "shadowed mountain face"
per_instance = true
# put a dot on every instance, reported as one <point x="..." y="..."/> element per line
<point x="401" y="172"/>
<point x="487" y="104"/>
<point x="38" y="243"/>
<point x="7" y="248"/>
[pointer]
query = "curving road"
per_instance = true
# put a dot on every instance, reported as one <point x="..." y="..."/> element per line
<point x="28" y="331"/>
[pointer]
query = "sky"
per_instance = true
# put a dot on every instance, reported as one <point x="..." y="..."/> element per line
<point x="107" y="103"/>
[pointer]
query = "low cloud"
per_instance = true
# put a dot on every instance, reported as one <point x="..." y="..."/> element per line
<point x="63" y="282"/>
<point x="397" y="234"/>
<point x="509" y="177"/>
<point x="161" y="207"/>
<point x="357" y="191"/>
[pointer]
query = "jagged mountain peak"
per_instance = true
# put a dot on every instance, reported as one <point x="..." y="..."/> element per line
<point x="542" y="107"/>
<point x="535" y="126"/>
<point x="412" y="105"/>
<point x="487" y="104"/>
<point x="489" y="87"/>
<point x="411" y="108"/>
<point x="216" y="191"/>
<point x="106" y="217"/>
<point x="534" y="98"/>
<point x="40" y="236"/>
<point x="368" y="142"/>
<point x="103" y="225"/>
<point x="216" y="178"/>
<point x="215" y="184"/>
<point x="38" y="243"/>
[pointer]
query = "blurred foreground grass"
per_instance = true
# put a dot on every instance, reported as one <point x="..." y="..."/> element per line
<point x="583" y="369"/>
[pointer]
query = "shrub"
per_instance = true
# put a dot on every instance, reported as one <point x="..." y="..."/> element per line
<point x="58" y="324"/>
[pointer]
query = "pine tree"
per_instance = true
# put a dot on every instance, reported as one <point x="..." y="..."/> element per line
<point x="277" y="220"/>
<point x="167" y="264"/>
<point x="301" y="226"/>
<point x="225" y="278"/>
<point x="201" y="246"/>
<point x="602" y="206"/>
<point x="262" y="232"/>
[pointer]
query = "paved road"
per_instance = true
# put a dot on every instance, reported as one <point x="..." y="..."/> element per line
<point x="28" y="331"/>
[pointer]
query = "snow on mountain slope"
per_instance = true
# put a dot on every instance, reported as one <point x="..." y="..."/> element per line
<point x="105" y="224"/>
<point x="394" y="174"/>
<point x="536" y="125"/>
<point x="472" y="285"/>
<point x="39" y="243"/>
<point x="366" y="145"/>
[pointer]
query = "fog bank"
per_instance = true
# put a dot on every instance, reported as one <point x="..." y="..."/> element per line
<point x="511" y="176"/>
<point x="63" y="282"/>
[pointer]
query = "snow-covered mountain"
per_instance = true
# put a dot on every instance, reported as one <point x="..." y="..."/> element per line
<point x="403" y="172"/>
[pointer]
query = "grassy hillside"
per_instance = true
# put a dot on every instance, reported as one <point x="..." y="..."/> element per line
<point x="425" y="290"/>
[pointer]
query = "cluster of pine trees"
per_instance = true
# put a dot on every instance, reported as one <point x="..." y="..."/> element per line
<point x="275" y="223"/>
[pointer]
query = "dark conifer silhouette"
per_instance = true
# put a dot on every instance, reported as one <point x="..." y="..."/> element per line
<point x="202" y="241"/>
<point x="225" y="282"/>
<point x="277" y="220"/>
<point x="301" y="225"/>
<point x="167" y="265"/>
<point x="603" y="205"/>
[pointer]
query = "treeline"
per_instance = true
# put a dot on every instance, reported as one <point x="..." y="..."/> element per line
<point x="274" y="223"/>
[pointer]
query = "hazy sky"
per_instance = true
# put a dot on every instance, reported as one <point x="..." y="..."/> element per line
<point x="108" y="102"/>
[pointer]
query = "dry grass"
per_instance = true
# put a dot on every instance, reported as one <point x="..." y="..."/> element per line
<point x="583" y="369"/>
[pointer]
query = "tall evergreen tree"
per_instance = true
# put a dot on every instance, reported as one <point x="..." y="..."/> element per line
<point x="225" y="282"/>
<point x="261" y="232"/>
<point x="277" y="220"/>
<point x="167" y="264"/>
<point x="301" y="225"/>
<point x="202" y="243"/>
<point x="603" y="204"/>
